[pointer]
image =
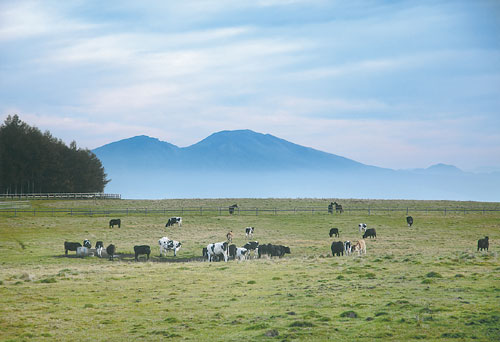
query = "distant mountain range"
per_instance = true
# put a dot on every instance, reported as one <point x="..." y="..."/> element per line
<point x="244" y="163"/>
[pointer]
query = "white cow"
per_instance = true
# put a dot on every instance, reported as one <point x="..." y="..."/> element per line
<point x="166" y="245"/>
<point x="242" y="253"/>
<point x="360" y="247"/>
<point x="218" y="248"/>
<point x="82" y="252"/>
<point x="362" y="227"/>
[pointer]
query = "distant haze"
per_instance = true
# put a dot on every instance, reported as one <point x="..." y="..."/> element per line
<point x="244" y="163"/>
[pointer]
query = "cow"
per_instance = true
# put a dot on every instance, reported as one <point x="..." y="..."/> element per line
<point x="241" y="253"/>
<point x="99" y="246"/>
<point x="330" y="208"/>
<point x="204" y="252"/>
<point x="173" y="220"/>
<point x="370" y="232"/>
<point x="334" y="231"/>
<point x="215" y="249"/>
<point x="82" y="252"/>
<point x="252" y="246"/>
<point x="110" y="250"/>
<point x="71" y="246"/>
<point x="409" y="220"/>
<point x="231" y="208"/>
<point x="249" y="231"/>
<point x="347" y="247"/>
<point x="232" y="251"/>
<point x="166" y="245"/>
<point x="338" y="208"/>
<point x="264" y="250"/>
<point x="362" y="227"/>
<point x="229" y="236"/>
<point x="86" y="243"/>
<point x="337" y="248"/>
<point x="273" y="250"/>
<point x="142" y="249"/>
<point x="115" y="222"/>
<point x="483" y="244"/>
<point x="360" y="247"/>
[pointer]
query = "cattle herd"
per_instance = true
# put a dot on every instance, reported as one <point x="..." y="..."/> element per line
<point x="219" y="251"/>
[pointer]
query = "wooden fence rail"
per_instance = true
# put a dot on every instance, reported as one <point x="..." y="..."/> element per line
<point x="63" y="195"/>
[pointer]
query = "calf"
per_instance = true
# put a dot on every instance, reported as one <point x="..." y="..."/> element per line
<point x="231" y="208"/>
<point x="249" y="232"/>
<point x="99" y="246"/>
<point x="483" y="244"/>
<point x="347" y="247"/>
<point x="115" y="222"/>
<point x="241" y="253"/>
<point x="71" y="246"/>
<point x="142" y="249"/>
<point x="167" y="245"/>
<point x="360" y="247"/>
<point x="215" y="249"/>
<point x="362" y="227"/>
<point x="334" y="231"/>
<point x="173" y="220"/>
<point x="82" y="252"/>
<point x="409" y="220"/>
<point x="370" y="232"/>
<point x="337" y="248"/>
<point x="229" y="236"/>
<point x="86" y="243"/>
<point x="110" y="250"/>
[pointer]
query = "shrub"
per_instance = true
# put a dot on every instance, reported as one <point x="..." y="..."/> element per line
<point x="350" y="314"/>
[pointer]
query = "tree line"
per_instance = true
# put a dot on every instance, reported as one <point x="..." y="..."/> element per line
<point x="36" y="162"/>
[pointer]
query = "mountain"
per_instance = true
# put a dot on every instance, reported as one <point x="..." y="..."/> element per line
<point x="243" y="163"/>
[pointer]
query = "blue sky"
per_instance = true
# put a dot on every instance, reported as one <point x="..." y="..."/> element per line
<point x="398" y="84"/>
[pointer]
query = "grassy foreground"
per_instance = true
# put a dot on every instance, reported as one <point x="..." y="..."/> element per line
<point x="424" y="283"/>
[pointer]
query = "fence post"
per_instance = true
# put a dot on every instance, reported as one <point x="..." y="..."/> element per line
<point x="34" y="212"/>
<point x="406" y="210"/>
<point x="444" y="211"/>
<point x="274" y="211"/>
<point x="369" y="211"/>
<point x="256" y="211"/>
<point x="201" y="211"/>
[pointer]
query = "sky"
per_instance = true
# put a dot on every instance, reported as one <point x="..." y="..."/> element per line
<point x="395" y="84"/>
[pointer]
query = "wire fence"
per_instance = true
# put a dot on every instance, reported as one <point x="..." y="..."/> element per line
<point x="61" y="195"/>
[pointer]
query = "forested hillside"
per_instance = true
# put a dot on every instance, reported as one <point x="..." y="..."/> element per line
<point x="32" y="161"/>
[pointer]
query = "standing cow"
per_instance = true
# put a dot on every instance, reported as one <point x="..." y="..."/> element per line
<point x="334" y="231"/>
<point x="370" y="232"/>
<point x="232" y="207"/>
<point x="115" y="222"/>
<point x="337" y="248"/>
<point x="168" y="245"/>
<point x="216" y="249"/>
<point x="409" y="220"/>
<point x="483" y="244"/>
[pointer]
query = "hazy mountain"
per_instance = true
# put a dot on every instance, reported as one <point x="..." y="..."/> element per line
<point x="244" y="163"/>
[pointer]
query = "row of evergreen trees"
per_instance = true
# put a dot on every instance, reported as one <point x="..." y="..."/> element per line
<point x="36" y="162"/>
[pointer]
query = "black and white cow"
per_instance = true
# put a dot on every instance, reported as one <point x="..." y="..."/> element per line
<point x="142" y="249"/>
<point x="232" y="207"/>
<point x="334" y="231"/>
<point x="110" y="250"/>
<point x="249" y="231"/>
<point x="362" y="227"/>
<point x="409" y="220"/>
<point x="82" y="252"/>
<point x="174" y="220"/>
<point x="483" y="244"/>
<point x="347" y="247"/>
<point x="71" y="246"/>
<point x="168" y="245"/>
<point x="241" y="253"/>
<point x="337" y="248"/>
<point x="86" y="243"/>
<point x="115" y="222"/>
<point x="370" y="232"/>
<point x="99" y="246"/>
<point x="252" y="246"/>
<point x="218" y="248"/>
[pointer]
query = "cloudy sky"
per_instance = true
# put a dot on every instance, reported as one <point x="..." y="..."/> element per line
<point x="398" y="84"/>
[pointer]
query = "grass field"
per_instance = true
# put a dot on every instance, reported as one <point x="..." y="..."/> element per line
<point x="423" y="283"/>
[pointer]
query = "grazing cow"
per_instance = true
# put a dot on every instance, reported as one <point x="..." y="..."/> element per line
<point x="241" y="253"/>
<point x="86" y="243"/>
<point x="232" y="207"/>
<point x="110" y="250"/>
<point x="215" y="249"/>
<point x="141" y="249"/>
<point x="230" y="236"/>
<point x="483" y="244"/>
<point x="167" y="245"/>
<point x="273" y="250"/>
<point x="232" y="251"/>
<point x="409" y="220"/>
<point x="347" y="247"/>
<point x="337" y="248"/>
<point x="252" y="246"/>
<point x="99" y="246"/>
<point x="115" y="222"/>
<point x="334" y="231"/>
<point x="174" y="220"/>
<point x="370" y="232"/>
<point x="362" y="227"/>
<point x="249" y="231"/>
<point x="338" y="208"/>
<point x="360" y="247"/>
<point x="330" y="208"/>
<point x="71" y="246"/>
<point x="82" y="252"/>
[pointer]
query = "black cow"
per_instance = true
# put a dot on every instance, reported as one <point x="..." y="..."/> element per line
<point x="204" y="252"/>
<point x="232" y="251"/>
<point x="334" y="231"/>
<point x="232" y="207"/>
<point x="264" y="249"/>
<point x="330" y="208"/>
<point x="483" y="244"/>
<point x="86" y="243"/>
<point x="141" y="249"/>
<point x="370" y="232"/>
<point x="111" y="249"/>
<point x="71" y="246"/>
<point x="280" y="250"/>
<point x="409" y="220"/>
<point x="337" y="248"/>
<point x="115" y="222"/>
<point x="338" y="208"/>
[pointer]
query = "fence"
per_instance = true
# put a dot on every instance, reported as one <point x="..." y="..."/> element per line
<point x="63" y="195"/>
<point x="225" y="211"/>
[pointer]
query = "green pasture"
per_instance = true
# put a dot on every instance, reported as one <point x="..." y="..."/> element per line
<point x="424" y="283"/>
